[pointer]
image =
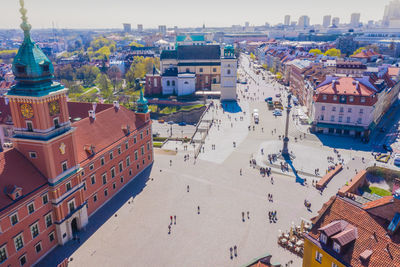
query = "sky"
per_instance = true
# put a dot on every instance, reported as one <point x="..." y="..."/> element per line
<point x="182" y="13"/>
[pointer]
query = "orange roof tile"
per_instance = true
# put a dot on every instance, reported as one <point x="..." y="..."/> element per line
<point x="346" y="86"/>
<point x="379" y="202"/>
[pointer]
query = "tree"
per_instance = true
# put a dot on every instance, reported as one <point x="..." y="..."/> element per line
<point x="279" y="76"/>
<point x="272" y="70"/>
<point x="315" y="52"/>
<point x="115" y="75"/>
<point x="104" y="86"/>
<point x="265" y="66"/>
<point x="333" y="52"/>
<point x="87" y="74"/>
<point x="135" y="44"/>
<point x="252" y="56"/>
<point x="64" y="73"/>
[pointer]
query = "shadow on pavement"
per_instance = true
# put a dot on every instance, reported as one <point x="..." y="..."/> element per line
<point x="98" y="219"/>
<point x="231" y="106"/>
<point x="298" y="178"/>
<point x="344" y="142"/>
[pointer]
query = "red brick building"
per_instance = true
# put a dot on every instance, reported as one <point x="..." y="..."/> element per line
<point x="67" y="160"/>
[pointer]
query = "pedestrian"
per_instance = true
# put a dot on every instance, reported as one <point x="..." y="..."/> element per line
<point x="170" y="218"/>
<point x="248" y="215"/>
<point x="169" y="229"/>
<point x="242" y="215"/>
<point x="198" y="209"/>
<point x="170" y="162"/>
<point x="230" y="249"/>
<point x="188" y="188"/>
<point x="240" y="172"/>
<point x="235" y="250"/>
<point x="174" y="219"/>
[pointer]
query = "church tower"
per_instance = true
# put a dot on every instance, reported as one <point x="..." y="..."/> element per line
<point x="142" y="110"/>
<point x="43" y="132"/>
<point x="228" y="74"/>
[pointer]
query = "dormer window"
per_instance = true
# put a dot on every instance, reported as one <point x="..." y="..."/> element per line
<point x="336" y="247"/>
<point x="21" y="69"/>
<point x="323" y="238"/>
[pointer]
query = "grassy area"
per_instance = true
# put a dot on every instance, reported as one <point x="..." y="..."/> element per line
<point x="376" y="190"/>
<point x="169" y="110"/>
<point x="172" y="109"/>
<point x="160" y="139"/>
<point x="153" y="108"/>
<point x="192" y="107"/>
<point x="157" y="144"/>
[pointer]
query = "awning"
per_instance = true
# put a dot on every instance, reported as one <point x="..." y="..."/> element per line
<point x="341" y="127"/>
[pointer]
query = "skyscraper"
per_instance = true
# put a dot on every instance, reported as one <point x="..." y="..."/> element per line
<point x="304" y="21"/>
<point x="392" y="13"/>
<point x="140" y="27"/>
<point x="327" y="21"/>
<point x="336" y="21"/>
<point x="162" y="29"/>
<point x="127" y="27"/>
<point x="287" y="20"/>
<point x="355" y="20"/>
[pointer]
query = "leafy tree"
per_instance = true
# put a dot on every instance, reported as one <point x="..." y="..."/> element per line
<point x="87" y="74"/>
<point x="135" y="44"/>
<point x="265" y="66"/>
<point x="64" y="73"/>
<point x="104" y="86"/>
<point x="272" y="70"/>
<point x="115" y="75"/>
<point x="279" y="76"/>
<point x="252" y="56"/>
<point x="333" y="52"/>
<point x="315" y="52"/>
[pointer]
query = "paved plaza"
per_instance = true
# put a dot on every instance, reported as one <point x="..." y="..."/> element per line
<point x="132" y="229"/>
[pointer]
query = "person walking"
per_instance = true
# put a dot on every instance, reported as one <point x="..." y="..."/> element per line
<point x="174" y="219"/>
<point x="198" y="209"/>
<point x="235" y="250"/>
<point x="171" y="219"/>
<point x="187" y="188"/>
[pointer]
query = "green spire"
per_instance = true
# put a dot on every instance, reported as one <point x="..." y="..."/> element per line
<point x="25" y="26"/>
<point x="142" y="104"/>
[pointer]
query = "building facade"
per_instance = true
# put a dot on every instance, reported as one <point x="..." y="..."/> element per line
<point x="61" y="170"/>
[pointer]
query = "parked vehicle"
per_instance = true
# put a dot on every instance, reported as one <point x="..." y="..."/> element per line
<point x="397" y="160"/>
<point x="161" y="121"/>
<point x="277" y="112"/>
<point x="182" y="123"/>
<point x="268" y="99"/>
<point x="170" y="122"/>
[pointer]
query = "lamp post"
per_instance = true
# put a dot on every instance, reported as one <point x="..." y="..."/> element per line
<point x="285" y="150"/>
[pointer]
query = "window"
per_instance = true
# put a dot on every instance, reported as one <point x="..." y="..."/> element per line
<point x="168" y="83"/>
<point x="362" y="99"/>
<point x="18" y="242"/>
<point x="214" y="69"/>
<point x="147" y="132"/>
<point x="95" y="198"/>
<point x="351" y="98"/>
<point x="361" y="111"/>
<point x="56" y="123"/>
<point x="318" y="256"/>
<point x="14" y="219"/>
<point x="93" y="179"/>
<point x="31" y="208"/>
<point x="45" y="199"/>
<point x="126" y="145"/>
<point x="155" y="82"/>
<point x="71" y="205"/>
<point x="148" y="146"/>
<point x="340" y="119"/>
<point x="143" y="162"/>
<point x="51" y="237"/>
<point x="64" y="166"/>
<point x="173" y="83"/>
<point x="187" y="70"/>
<point x="105" y="192"/>
<point x="323" y="238"/>
<point x="112" y="172"/>
<point x="82" y="173"/>
<point x="141" y="135"/>
<point x="336" y="247"/>
<point x="122" y="179"/>
<point x="333" y="108"/>
<point x="228" y="72"/>
<point x="128" y="161"/>
<point x="348" y="119"/>
<point x="334" y="97"/>
<point x="137" y="166"/>
<point x="201" y="69"/>
<point x="3" y="253"/>
<point x="134" y="140"/>
<point x="104" y="177"/>
<point x="341" y="109"/>
<point x="68" y="185"/>
<point x="342" y="99"/>
<point x="49" y="220"/>
<point x="332" y="118"/>
<point x="322" y="117"/>
<point x="111" y="155"/>
<point x="323" y="108"/>
<point x="32" y="155"/>
<point x="120" y="166"/>
<point x="38" y="247"/>
<point x="349" y="110"/>
<point x="136" y="155"/>
<point x="206" y="79"/>
<point x="91" y="166"/>
<point x="324" y="97"/>
<point x="214" y="81"/>
<point x="148" y="157"/>
<point x="142" y="150"/>
<point x="29" y="126"/>
<point x="102" y="161"/>
<point x="114" y="185"/>
<point x="22" y="260"/>
<point x="359" y="120"/>
<point x="84" y="185"/>
<point x="119" y="150"/>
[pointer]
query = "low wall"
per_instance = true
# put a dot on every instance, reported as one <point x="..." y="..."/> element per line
<point x="357" y="181"/>
<point x="328" y="177"/>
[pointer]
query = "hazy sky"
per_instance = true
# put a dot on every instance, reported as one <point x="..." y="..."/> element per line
<point x="190" y="13"/>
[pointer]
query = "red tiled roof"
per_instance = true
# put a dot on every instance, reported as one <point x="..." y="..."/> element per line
<point x="105" y="130"/>
<point x="346" y="86"/>
<point x="81" y="109"/>
<point x="346" y="236"/>
<point x="15" y="169"/>
<point x="379" y="202"/>
<point x="371" y="230"/>
<point x="365" y="54"/>
<point x="333" y="227"/>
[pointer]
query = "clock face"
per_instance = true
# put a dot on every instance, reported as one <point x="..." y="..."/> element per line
<point x="27" y="111"/>
<point x="54" y="108"/>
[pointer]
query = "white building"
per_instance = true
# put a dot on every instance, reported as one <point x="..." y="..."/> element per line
<point x="228" y="74"/>
<point x="355" y="20"/>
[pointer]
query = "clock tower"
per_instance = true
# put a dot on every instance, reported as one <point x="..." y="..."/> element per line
<point x="42" y="129"/>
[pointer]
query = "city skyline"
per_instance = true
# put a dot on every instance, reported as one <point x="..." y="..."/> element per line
<point x="59" y="12"/>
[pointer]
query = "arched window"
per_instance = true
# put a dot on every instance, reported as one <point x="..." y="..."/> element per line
<point x="228" y="72"/>
<point x="173" y="83"/>
<point x="168" y="83"/>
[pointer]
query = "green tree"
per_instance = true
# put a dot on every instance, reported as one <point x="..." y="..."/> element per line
<point x="252" y="56"/>
<point x="272" y="70"/>
<point x="87" y="74"/>
<point x="135" y="44"/>
<point x="315" y="52"/>
<point x="265" y="66"/>
<point x="279" y="76"/>
<point x="64" y="73"/>
<point x="104" y="85"/>
<point x="333" y="52"/>
<point x="115" y="75"/>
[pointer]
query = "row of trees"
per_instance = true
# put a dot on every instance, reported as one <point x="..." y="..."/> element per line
<point x="333" y="52"/>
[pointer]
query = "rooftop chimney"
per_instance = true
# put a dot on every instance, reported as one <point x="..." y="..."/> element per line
<point x="92" y="114"/>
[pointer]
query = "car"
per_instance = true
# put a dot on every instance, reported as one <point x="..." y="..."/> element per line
<point x="268" y="99"/>
<point x="161" y="121"/>
<point x="397" y="160"/>
<point x="277" y="112"/>
<point x="170" y="122"/>
<point x="387" y="148"/>
<point x="278" y="95"/>
<point x="182" y="123"/>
